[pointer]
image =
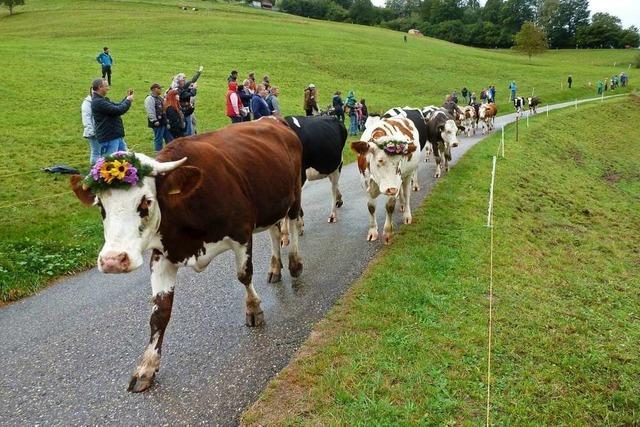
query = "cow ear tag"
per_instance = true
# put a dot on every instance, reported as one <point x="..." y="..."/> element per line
<point x="175" y="191"/>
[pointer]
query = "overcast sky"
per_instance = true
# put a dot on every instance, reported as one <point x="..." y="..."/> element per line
<point x="627" y="10"/>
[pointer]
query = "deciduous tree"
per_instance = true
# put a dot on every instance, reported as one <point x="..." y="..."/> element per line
<point x="531" y="39"/>
<point x="11" y="3"/>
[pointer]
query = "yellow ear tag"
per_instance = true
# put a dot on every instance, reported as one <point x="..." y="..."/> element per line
<point x="176" y="191"/>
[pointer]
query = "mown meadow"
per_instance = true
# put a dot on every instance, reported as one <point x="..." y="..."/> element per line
<point x="47" y="58"/>
<point x="408" y="343"/>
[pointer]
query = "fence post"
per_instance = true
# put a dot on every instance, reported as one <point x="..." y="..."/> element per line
<point x="547" y="111"/>
<point x="493" y="178"/>
<point x="527" y="120"/>
<point x="517" y="120"/>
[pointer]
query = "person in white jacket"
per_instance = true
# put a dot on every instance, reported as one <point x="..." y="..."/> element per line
<point x="89" y="131"/>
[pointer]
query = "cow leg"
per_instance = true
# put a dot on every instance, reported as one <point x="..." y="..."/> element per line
<point x="244" y="268"/>
<point x="301" y="223"/>
<point x="406" y="217"/>
<point x="372" y="235"/>
<point x="275" y="268"/>
<point x="388" y="221"/>
<point x="295" y="260"/>
<point x="447" y="156"/>
<point x="284" y="232"/>
<point x="336" y="197"/>
<point x="163" y="279"/>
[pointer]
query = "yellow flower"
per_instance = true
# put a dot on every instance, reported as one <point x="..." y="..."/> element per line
<point x="114" y="170"/>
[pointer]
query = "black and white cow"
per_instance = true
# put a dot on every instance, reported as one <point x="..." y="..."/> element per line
<point x="519" y="103"/>
<point x="534" y="101"/>
<point x="442" y="134"/>
<point x="323" y="139"/>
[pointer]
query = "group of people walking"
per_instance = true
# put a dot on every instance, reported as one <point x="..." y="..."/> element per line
<point x="357" y="111"/>
<point x="470" y="98"/>
<point x="613" y="83"/>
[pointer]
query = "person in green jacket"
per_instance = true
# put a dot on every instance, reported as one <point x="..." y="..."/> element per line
<point x="353" y="117"/>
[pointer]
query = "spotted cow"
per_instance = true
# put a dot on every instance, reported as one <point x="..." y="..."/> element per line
<point x="206" y="194"/>
<point x="487" y="115"/>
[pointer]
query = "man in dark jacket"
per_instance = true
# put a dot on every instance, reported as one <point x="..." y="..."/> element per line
<point x="187" y="90"/>
<point x="155" y="117"/>
<point x="259" y="105"/>
<point x="106" y="114"/>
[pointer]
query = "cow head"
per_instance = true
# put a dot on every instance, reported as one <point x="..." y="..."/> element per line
<point x="384" y="166"/>
<point x="131" y="215"/>
<point x="449" y="132"/>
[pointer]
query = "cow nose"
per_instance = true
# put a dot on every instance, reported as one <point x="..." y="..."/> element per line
<point x="114" y="262"/>
<point x="391" y="191"/>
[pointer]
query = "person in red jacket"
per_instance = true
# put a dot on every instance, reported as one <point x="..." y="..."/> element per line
<point x="234" y="104"/>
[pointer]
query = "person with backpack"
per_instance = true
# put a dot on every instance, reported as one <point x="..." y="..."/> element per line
<point x="353" y="115"/>
<point x="338" y="105"/>
<point x="155" y="117"/>
<point x="310" y="104"/>
<point x="272" y="101"/>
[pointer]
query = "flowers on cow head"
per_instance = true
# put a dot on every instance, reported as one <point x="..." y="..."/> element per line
<point x="119" y="170"/>
<point x="393" y="145"/>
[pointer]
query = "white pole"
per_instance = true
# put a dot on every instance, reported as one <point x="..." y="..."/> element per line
<point x="602" y="98"/>
<point x="532" y="91"/>
<point x="560" y="85"/>
<point x="493" y="178"/>
<point x="576" y="103"/>
<point x="629" y="67"/>
<point x="502" y="142"/>
<point x="527" y="119"/>
<point x="547" y="111"/>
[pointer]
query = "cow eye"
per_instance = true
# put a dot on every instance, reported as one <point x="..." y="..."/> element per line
<point x="381" y="161"/>
<point x="143" y="207"/>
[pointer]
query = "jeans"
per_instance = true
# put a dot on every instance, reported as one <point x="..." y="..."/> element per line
<point x="106" y="71"/>
<point x="159" y="134"/>
<point x="110" y="147"/>
<point x="189" y="126"/>
<point x="353" y="124"/>
<point x="236" y="119"/>
<point x="94" y="149"/>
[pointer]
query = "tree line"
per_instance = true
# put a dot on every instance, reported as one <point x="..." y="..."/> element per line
<point x="566" y="23"/>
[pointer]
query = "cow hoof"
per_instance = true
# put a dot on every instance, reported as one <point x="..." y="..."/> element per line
<point x="436" y="175"/>
<point x="455" y="144"/>
<point x="300" y="231"/>
<point x="332" y="219"/>
<point x="274" y="277"/>
<point x="408" y="220"/>
<point x="416" y="188"/>
<point x="295" y="266"/>
<point x="387" y="238"/>
<point x="254" y="319"/>
<point x="339" y="203"/>
<point x="140" y="383"/>
<point x="284" y="241"/>
<point x="401" y="208"/>
<point x="372" y="236"/>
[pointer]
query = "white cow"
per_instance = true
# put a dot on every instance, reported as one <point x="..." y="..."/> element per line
<point x="387" y="161"/>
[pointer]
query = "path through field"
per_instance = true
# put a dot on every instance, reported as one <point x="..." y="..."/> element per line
<point x="67" y="353"/>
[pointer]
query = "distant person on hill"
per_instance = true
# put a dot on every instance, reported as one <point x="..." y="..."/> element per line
<point x="570" y="81"/>
<point x="353" y="114"/>
<point x="106" y="114"/>
<point x="175" y="117"/>
<point x="472" y="98"/>
<point x="258" y="104"/>
<point x="600" y="87"/>
<point x="311" y="100"/>
<point x="606" y="84"/>
<point x="338" y="105"/>
<point x="513" y="88"/>
<point x="89" y="128"/>
<point x="246" y="93"/>
<point x="233" y="76"/>
<point x="106" y="61"/>
<point x="272" y="101"/>
<point x="483" y="96"/>
<point x="454" y="97"/>
<point x="156" y="119"/>
<point x="492" y="94"/>
<point x="234" y="103"/>
<point x="465" y="92"/>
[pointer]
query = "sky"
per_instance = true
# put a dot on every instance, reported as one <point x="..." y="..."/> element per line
<point x="627" y="10"/>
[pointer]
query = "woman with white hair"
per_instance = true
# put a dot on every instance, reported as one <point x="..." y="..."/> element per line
<point x="187" y="90"/>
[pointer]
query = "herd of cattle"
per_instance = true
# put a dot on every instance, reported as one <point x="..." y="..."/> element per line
<point x="210" y="193"/>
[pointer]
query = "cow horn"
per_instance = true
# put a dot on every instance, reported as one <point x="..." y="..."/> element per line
<point x="159" y="167"/>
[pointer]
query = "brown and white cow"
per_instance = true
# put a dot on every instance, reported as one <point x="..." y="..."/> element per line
<point x="387" y="161"/>
<point x="207" y="194"/>
<point x="469" y="119"/>
<point x="487" y="115"/>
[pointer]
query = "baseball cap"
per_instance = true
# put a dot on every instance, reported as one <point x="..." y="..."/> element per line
<point x="155" y="86"/>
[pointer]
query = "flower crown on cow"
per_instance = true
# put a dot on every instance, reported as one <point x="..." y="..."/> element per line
<point x="120" y="170"/>
<point x="393" y="145"/>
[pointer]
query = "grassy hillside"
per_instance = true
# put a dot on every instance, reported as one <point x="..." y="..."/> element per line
<point x="408" y="344"/>
<point x="47" y="61"/>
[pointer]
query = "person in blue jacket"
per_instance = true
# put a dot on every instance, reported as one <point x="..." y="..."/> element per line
<point x="106" y="61"/>
<point x="259" y="106"/>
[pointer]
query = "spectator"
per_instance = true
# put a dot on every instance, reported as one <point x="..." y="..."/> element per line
<point x="106" y="61"/>
<point x="155" y="117"/>
<point x="258" y="104"/>
<point x="570" y="81"/>
<point x="233" y="76"/>
<point x="600" y="87"/>
<point x="272" y="101"/>
<point x="89" y="126"/>
<point x="465" y="92"/>
<point x="364" y="113"/>
<point x="252" y="82"/>
<point x="234" y="103"/>
<point x="266" y="83"/>
<point x="483" y="96"/>
<point x="454" y="97"/>
<point x="187" y="90"/>
<point x="173" y="112"/>
<point x="472" y="98"/>
<point x="492" y="93"/>
<point x="353" y="114"/>
<point x="606" y="84"/>
<point x="246" y="93"/>
<point x="311" y="100"/>
<point x="106" y="115"/>
<point x="513" y="88"/>
<point x="338" y="106"/>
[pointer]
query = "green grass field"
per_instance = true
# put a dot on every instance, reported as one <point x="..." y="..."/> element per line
<point x="47" y="61"/>
<point x="408" y="344"/>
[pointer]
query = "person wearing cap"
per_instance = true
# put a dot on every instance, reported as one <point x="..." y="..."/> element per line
<point x="109" y="128"/>
<point x="310" y="100"/>
<point x="234" y="104"/>
<point x="156" y="119"/>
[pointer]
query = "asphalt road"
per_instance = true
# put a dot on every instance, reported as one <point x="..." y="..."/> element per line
<point x="67" y="353"/>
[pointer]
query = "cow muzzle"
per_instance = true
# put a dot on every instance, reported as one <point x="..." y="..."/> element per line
<point x="114" y="262"/>
<point x="391" y="191"/>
